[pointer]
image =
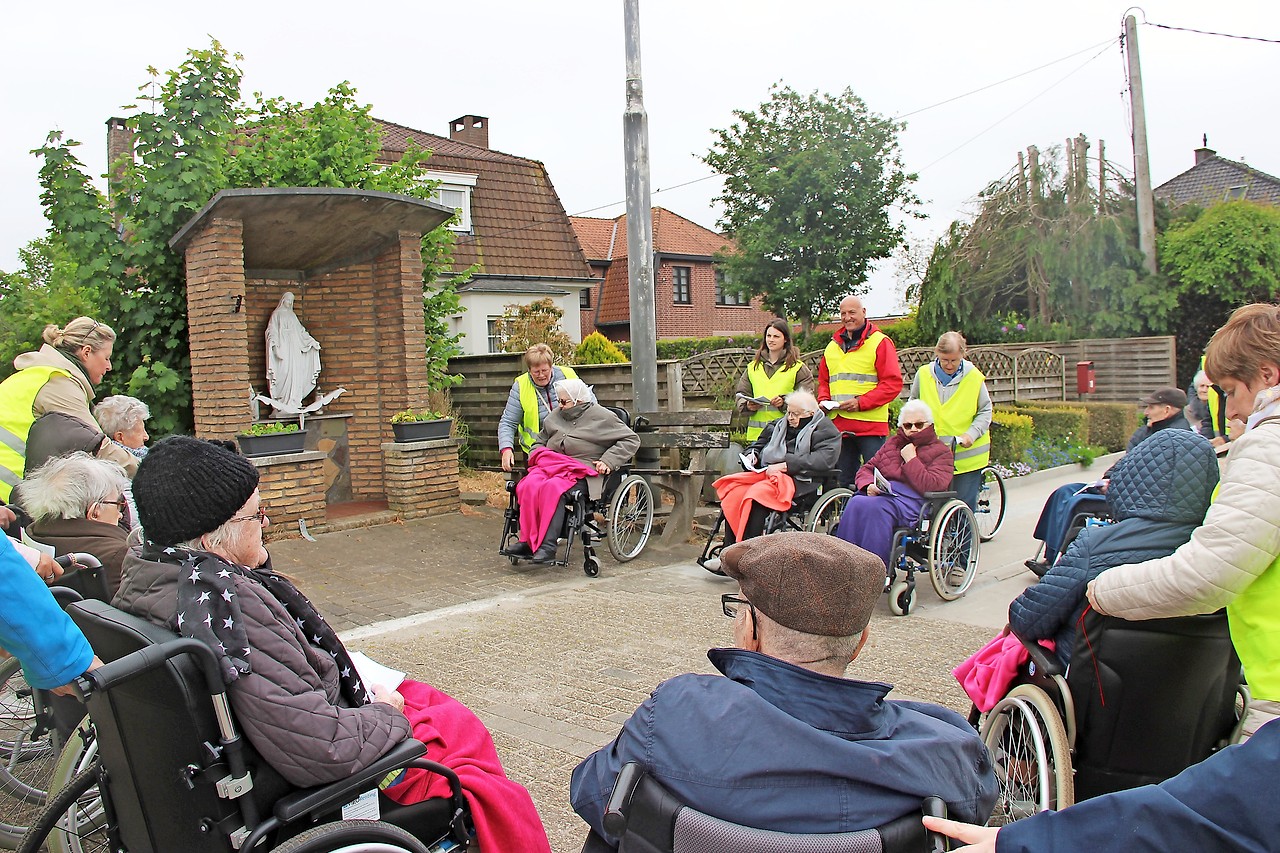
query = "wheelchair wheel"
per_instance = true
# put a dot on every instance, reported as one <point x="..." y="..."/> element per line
<point x="825" y="513"/>
<point x="28" y="752"/>
<point x="990" y="511"/>
<point x="75" y="808"/>
<point x="1028" y="745"/>
<point x="630" y="518"/>
<point x="902" y="597"/>
<point x="83" y="827"/>
<point x="953" y="550"/>
<point x="353" y="836"/>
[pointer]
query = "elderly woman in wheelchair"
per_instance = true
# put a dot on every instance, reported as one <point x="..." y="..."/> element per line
<point x="787" y="466"/>
<point x="580" y="444"/>
<point x="294" y="687"/>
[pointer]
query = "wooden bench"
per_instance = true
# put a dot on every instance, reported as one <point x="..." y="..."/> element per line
<point x="697" y="432"/>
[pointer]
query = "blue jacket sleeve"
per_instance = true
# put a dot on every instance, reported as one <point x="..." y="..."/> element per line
<point x="593" y="779"/>
<point x="1045" y="608"/>
<point x="33" y="627"/>
<point x="510" y="420"/>
<point x="1226" y="803"/>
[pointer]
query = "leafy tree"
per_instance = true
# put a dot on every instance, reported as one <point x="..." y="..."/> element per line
<point x="1048" y="246"/>
<point x="522" y="326"/>
<point x="808" y="184"/>
<point x="196" y="138"/>
<point x="45" y="290"/>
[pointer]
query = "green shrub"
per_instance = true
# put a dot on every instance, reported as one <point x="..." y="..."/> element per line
<point x="271" y="428"/>
<point x="906" y="333"/>
<point x="1054" y="423"/>
<point x="1111" y="424"/>
<point x="680" y="348"/>
<point x="1010" y="436"/>
<point x="597" y="349"/>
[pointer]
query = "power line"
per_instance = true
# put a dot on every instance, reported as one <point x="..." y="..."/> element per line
<point x="1211" y="33"/>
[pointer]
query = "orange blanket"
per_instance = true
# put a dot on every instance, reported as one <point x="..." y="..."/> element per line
<point x="772" y="489"/>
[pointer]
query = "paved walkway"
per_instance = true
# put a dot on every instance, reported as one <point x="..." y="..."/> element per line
<point x="554" y="662"/>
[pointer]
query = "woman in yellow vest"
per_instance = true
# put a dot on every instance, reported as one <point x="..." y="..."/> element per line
<point x="956" y="391"/>
<point x="1233" y="559"/>
<point x="774" y="373"/>
<point x="532" y="398"/>
<point x="59" y="377"/>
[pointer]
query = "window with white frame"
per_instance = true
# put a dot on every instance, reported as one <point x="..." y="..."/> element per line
<point x="454" y="191"/>
<point x="495" y="342"/>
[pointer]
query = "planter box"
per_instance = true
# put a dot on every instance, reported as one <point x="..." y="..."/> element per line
<point x="275" y="444"/>
<point x="422" y="430"/>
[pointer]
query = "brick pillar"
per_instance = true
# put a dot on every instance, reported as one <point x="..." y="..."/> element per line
<point x="401" y="343"/>
<point x="219" y="360"/>
<point x="421" y="478"/>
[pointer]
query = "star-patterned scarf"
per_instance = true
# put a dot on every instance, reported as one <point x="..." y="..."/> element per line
<point x="209" y="612"/>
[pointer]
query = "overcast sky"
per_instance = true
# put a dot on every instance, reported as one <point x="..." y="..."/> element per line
<point x="550" y="78"/>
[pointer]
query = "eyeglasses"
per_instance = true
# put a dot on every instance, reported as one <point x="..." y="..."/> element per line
<point x="732" y="604"/>
<point x="260" y="516"/>
<point x="799" y="414"/>
<point x="119" y="503"/>
<point x="914" y="424"/>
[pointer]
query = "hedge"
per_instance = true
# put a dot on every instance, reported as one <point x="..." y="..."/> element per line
<point x="1109" y="424"/>
<point x="1068" y="423"/>
<point x="1010" y="436"/>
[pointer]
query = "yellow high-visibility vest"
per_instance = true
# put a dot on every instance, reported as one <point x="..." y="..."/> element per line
<point x="953" y="418"/>
<point x="17" y="396"/>
<point x="530" y="425"/>
<point x="852" y="374"/>
<point x="782" y="382"/>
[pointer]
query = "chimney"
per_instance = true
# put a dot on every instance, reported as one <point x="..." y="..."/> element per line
<point x="473" y="130"/>
<point x="119" y="144"/>
<point x="1204" y="152"/>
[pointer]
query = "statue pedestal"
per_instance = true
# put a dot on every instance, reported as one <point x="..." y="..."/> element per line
<point x="421" y="477"/>
<point x="292" y="488"/>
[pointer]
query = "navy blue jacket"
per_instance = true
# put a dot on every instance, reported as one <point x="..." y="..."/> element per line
<point x="1159" y="494"/>
<point x="1226" y="803"/>
<point x="779" y="747"/>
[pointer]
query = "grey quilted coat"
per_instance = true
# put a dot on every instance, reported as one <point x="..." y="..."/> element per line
<point x="289" y="705"/>
<point x="1159" y="494"/>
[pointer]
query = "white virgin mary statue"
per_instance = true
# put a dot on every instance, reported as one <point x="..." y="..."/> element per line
<point x="293" y="359"/>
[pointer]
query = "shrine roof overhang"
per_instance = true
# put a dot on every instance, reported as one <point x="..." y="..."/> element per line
<point x="307" y="231"/>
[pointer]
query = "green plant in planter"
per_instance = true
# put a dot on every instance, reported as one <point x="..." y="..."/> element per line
<point x="270" y="429"/>
<point x="413" y="416"/>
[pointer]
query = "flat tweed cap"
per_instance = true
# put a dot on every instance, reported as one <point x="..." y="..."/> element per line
<point x="809" y="582"/>
<point x="186" y="487"/>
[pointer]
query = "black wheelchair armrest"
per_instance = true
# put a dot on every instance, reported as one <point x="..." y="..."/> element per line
<point x="327" y="797"/>
<point x="1046" y="663"/>
<point x="615" y="811"/>
<point x="940" y="496"/>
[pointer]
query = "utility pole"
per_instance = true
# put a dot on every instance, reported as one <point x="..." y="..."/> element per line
<point x="1141" y="163"/>
<point x="635" y="135"/>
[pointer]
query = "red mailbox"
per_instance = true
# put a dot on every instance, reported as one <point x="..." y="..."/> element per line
<point x="1084" y="377"/>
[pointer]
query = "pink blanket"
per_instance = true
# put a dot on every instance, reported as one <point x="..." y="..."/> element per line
<point x="988" y="673"/>
<point x="504" y="814"/>
<point x="737" y="492"/>
<point x="551" y="474"/>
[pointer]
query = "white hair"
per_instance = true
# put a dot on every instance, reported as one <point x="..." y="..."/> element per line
<point x="120" y="413"/>
<point x="803" y="398"/>
<point x="916" y="409"/>
<point x="67" y="486"/>
<point x="1200" y="376"/>
<point x="578" y="391"/>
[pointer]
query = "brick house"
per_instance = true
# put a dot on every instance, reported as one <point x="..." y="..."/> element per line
<point x="1215" y="179"/>
<point x="689" y="297"/>
<point x="512" y="225"/>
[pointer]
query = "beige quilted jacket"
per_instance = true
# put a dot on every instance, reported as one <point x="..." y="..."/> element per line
<point x="1239" y="540"/>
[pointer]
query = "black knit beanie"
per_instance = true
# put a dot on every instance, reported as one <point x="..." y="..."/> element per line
<point x="186" y="487"/>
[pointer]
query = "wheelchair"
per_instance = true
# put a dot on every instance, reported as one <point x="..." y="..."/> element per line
<point x="1140" y="703"/>
<point x="990" y="511"/>
<point x="626" y="502"/>
<point x="31" y="737"/>
<point x="1090" y="510"/>
<point x="164" y="767"/>
<point x="816" y="512"/>
<point x="648" y="819"/>
<point x="943" y="542"/>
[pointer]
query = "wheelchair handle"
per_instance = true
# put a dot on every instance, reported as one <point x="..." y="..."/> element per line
<point x="149" y="657"/>
<point x="615" y="811"/>
<point x="78" y="560"/>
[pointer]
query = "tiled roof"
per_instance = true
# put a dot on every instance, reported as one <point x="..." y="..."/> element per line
<point x="1215" y="179"/>
<point x="519" y="226"/>
<point x="606" y="239"/>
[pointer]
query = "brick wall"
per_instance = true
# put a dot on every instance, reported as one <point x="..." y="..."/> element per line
<point x="292" y="488"/>
<point x="703" y="317"/>
<point x="421" y="478"/>
<point x="219" y="362"/>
